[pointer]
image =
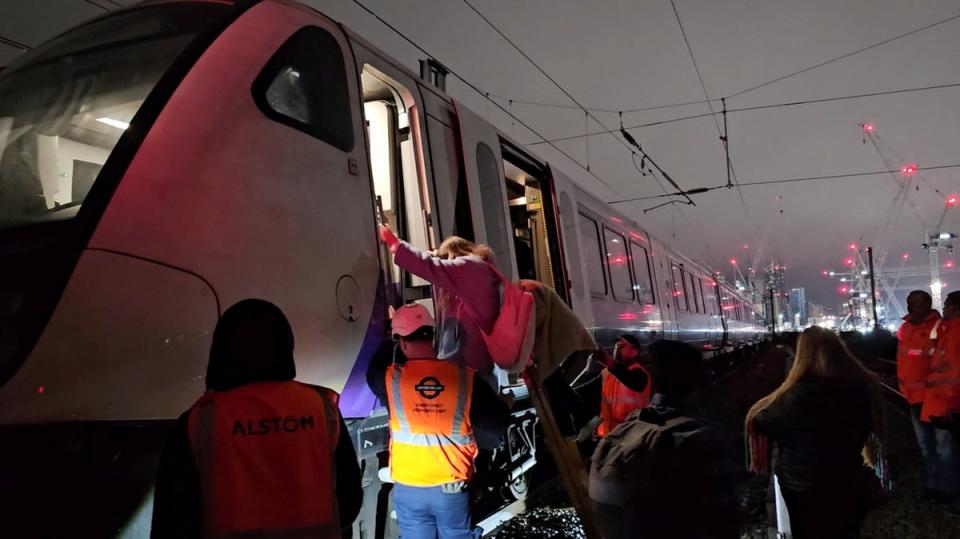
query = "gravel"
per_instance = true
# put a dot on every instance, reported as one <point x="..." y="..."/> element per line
<point x="543" y="522"/>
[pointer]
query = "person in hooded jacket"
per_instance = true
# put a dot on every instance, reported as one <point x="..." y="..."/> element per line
<point x="258" y="454"/>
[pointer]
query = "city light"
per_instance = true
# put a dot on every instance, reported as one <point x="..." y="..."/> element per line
<point x="905" y="256"/>
<point x="948" y="264"/>
<point x="843" y="289"/>
<point x="952" y="200"/>
<point x="909" y="169"/>
<point x="825" y="273"/>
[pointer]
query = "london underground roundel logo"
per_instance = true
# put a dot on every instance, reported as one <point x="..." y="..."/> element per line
<point x="429" y="388"/>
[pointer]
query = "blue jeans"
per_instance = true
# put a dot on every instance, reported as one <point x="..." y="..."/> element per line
<point x="428" y="513"/>
<point x="939" y="448"/>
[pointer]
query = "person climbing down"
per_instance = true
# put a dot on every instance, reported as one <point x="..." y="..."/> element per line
<point x="466" y="293"/>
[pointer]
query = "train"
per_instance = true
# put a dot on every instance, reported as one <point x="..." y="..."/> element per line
<point x="163" y="161"/>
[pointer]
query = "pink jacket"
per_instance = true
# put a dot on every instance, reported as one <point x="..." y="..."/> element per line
<point x="473" y="298"/>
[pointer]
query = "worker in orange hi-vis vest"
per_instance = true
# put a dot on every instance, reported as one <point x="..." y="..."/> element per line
<point x="941" y="402"/>
<point x="439" y="411"/>
<point x="258" y="455"/>
<point x="913" y="366"/>
<point x="619" y="385"/>
<point x="617" y="400"/>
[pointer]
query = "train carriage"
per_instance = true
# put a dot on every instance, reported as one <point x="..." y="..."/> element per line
<point x="167" y="160"/>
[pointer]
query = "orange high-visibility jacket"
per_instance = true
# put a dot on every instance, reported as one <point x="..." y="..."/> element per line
<point x="943" y="381"/>
<point x="431" y="438"/>
<point x="265" y="454"/>
<point x="618" y="400"/>
<point x="913" y="356"/>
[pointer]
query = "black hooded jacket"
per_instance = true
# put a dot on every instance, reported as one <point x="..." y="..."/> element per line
<point x="253" y="342"/>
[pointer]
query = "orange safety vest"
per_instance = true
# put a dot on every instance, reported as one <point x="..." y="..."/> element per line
<point x="617" y="400"/>
<point x="943" y="381"/>
<point x="265" y="454"/>
<point x="431" y="438"/>
<point x="913" y="357"/>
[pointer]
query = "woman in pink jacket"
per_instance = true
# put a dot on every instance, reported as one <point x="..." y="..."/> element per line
<point x="466" y="294"/>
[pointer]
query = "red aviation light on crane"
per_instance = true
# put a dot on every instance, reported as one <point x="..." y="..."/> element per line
<point x="824" y="273"/>
<point x="853" y="246"/>
<point x="843" y="290"/>
<point x="952" y="200"/>
<point x="867" y="127"/>
<point x="905" y="256"/>
<point x="848" y="261"/>
<point x="948" y="264"/>
<point x="909" y="169"/>
<point x="733" y="261"/>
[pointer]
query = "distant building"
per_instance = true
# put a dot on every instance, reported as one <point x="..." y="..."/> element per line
<point x="776" y="282"/>
<point x="798" y="306"/>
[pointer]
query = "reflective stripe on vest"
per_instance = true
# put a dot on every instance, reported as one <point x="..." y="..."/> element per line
<point x="942" y="394"/>
<point x="431" y="438"/>
<point x="618" y="400"/>
<point x="913" y="357"/>
<point x="264" y="453"/>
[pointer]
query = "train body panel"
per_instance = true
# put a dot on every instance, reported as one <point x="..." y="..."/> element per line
<point x="260" y="168"/>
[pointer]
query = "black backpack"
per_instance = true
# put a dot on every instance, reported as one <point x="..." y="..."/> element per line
<point x="624" y="465"/>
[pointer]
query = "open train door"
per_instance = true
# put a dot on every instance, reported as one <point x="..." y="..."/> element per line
<point x="483" y="165"/>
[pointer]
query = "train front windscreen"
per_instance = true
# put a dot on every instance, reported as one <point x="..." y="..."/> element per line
<point x="72" y="113"/>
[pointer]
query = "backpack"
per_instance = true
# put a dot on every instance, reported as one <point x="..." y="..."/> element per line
<point x="510" y="342"/>
<point x="623" y="467"/>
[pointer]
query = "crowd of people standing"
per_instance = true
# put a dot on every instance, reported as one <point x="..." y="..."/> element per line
<point x="260" y="454"/>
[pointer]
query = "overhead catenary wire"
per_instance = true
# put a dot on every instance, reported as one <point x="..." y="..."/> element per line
<point x="844" y="56"/>
<point x="92" y="3"/>
<point x="587" y="114"/>
<point x="731" y="172"/>
<point x="751" y="183"/>
<point x="785" y="104"/>
<point x="476" y="89"/>
<point x="627" y="141"/>
<point x="15" y="44"/>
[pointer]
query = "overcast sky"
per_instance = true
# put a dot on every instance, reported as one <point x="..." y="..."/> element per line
<point x="621" y="55"/>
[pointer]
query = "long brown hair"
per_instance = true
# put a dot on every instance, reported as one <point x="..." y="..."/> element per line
<point x="821" y="353"/>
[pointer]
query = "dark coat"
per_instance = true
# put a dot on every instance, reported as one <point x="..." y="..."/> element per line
<point x="819" y="427"/>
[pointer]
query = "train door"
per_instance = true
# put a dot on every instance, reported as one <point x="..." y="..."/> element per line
<point x="403" y="199"/>
<point x="483" y="166"/>
<point x="533" y="219"/>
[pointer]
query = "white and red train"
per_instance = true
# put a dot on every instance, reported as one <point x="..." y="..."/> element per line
<point x="167" y="160"/>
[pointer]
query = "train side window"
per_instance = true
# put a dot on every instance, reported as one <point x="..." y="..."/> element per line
<point x="590" y="242"/>
<point x="304" y="85"/>
<point x="641" y="273"/>
<point x="696" y="301"/>
<point x="709" y="295"/>
<point x="679" y="297"/>
<point x="491" y="200"/>
<point x="616" y="251"/>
